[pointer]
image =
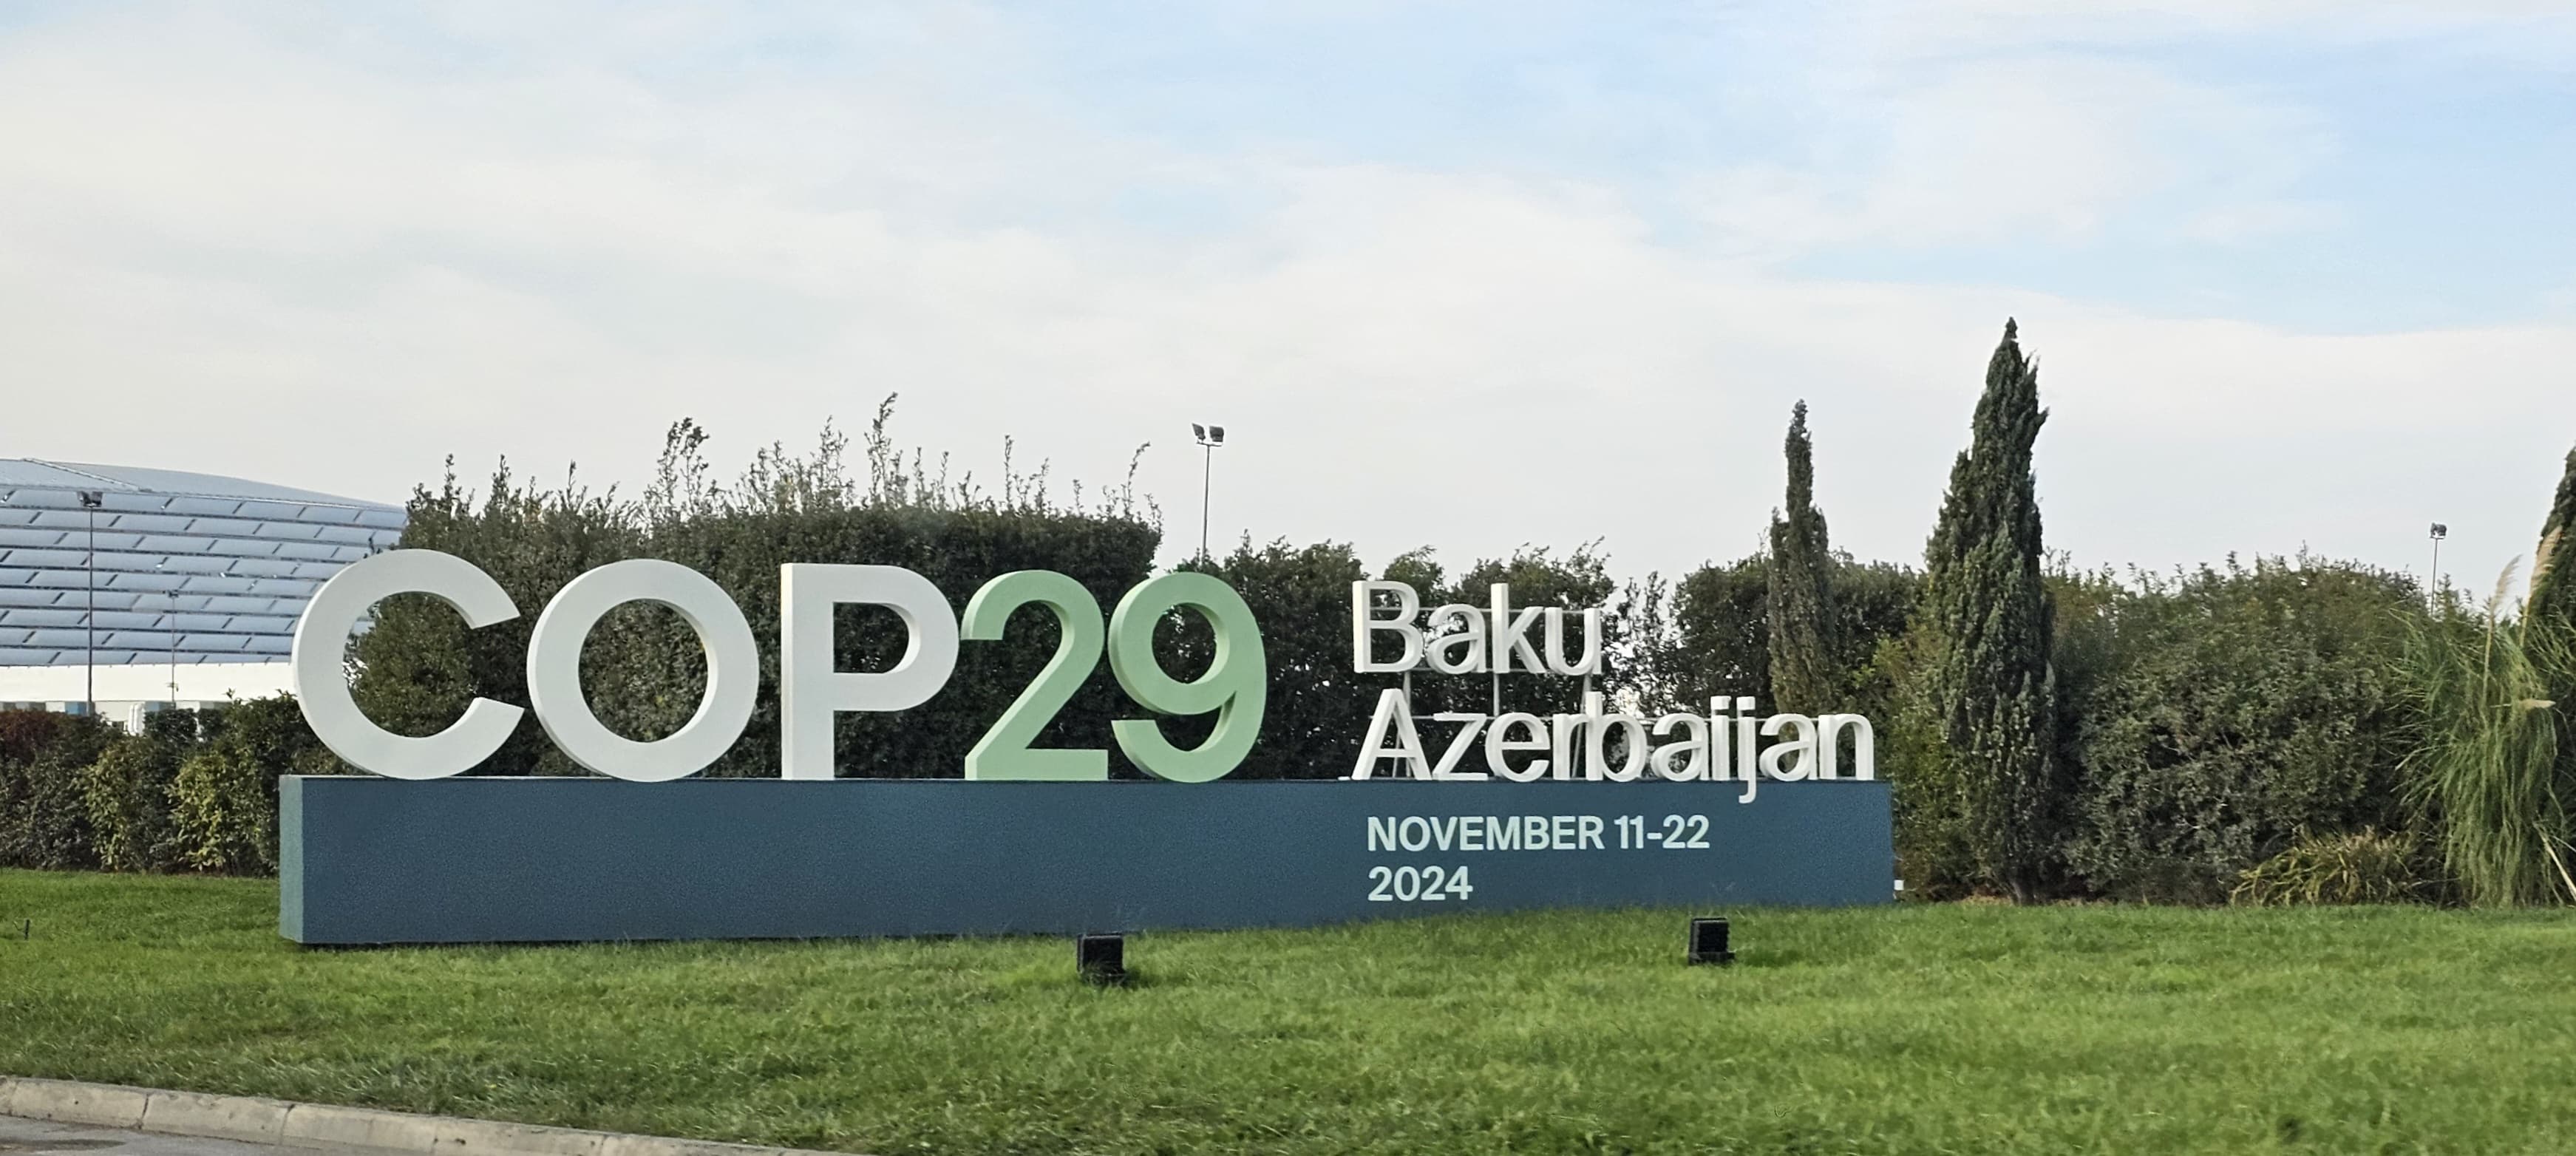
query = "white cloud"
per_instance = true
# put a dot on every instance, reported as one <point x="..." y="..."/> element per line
<point x="2239" y="222"/>
<point x="2036" y="148"/>
<point x="2520" y="31"/>
<point x="232" y="250"/>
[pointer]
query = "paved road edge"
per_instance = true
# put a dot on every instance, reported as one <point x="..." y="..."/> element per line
<point x="286" y="1122"/>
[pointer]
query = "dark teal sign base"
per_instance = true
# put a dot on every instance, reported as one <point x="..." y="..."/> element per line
<point x="373" y="861"/>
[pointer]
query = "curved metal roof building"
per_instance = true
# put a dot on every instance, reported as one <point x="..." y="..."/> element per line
<point x="118" y="566"/>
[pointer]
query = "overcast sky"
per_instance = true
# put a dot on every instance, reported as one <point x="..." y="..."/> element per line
<point x="1464" y="275"/>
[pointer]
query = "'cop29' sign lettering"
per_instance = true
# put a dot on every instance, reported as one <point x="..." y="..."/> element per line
<point x="811" y="689"/>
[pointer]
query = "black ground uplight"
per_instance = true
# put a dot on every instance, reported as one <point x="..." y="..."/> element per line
<point x="1102" y="959"/>
<point x="1708" y="942"/>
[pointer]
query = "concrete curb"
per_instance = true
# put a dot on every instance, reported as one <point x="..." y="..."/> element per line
<point x="284" y="1122"/>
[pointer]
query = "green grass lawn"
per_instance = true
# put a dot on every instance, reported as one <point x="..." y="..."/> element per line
<point x="1953" y="1029"/>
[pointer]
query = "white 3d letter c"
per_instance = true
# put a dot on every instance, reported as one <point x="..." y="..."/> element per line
<point x="322" y="636"/>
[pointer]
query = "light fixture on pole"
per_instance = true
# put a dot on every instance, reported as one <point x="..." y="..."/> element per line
<point x="1210" y="437"/>
<point x="2433" y="584"/>
<point x="90" y="501"/>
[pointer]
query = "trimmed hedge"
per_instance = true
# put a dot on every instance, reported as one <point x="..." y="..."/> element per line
<point x="644" y="668"/>
<point x="196" y="791"/>
<point x="44" y="806"/>
<point x="127" y="793"/>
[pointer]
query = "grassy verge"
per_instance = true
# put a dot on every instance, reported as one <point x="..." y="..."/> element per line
<point x="1907" y="1029"/>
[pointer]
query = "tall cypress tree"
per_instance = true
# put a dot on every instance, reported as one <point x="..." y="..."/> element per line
<point x="2550" y="615"/>
<point x="2553" y="569"/>
<point x="1988" y="611"/>
<point x="1804" y="676"/>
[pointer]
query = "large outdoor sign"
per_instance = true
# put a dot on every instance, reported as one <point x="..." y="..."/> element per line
<point x="1608" y="805"/>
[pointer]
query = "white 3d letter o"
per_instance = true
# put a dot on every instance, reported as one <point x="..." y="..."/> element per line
<point x="554" y="670"/>
<point x="322" y="637"/>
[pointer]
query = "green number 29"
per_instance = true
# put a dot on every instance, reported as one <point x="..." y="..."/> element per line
<point x="1236" y="686"/>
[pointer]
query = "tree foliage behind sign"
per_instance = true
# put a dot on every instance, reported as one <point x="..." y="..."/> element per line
<point x="644" y="669"/>
<point x="1301" y="596"/>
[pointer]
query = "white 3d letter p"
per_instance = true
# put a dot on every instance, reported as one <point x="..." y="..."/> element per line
<point x="811" y="686"/>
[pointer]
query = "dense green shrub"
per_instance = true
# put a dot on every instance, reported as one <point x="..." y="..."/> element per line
<point x="127" y="792"/>
<point x="127" y="795"/>
<point x="223" y="801"/>
<point x="195" y="791"/>
<point x="2229" y="710"/>
<point x="2365" y="866"/>
<point x="44" y="812"/>
<point x="224" y="811"/>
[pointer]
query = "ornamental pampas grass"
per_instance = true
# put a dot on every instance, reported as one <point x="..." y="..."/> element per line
<point x="2486" y="760"/>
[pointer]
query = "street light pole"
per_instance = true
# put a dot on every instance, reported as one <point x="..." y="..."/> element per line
<point x="171" y="596"/>
<point x="90" y="500"/>
<point x="2433" y="584"/>
<point x="1209" y="437"/>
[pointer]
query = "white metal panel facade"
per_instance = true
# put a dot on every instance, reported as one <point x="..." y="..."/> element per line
<point x="168" y="566"/>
